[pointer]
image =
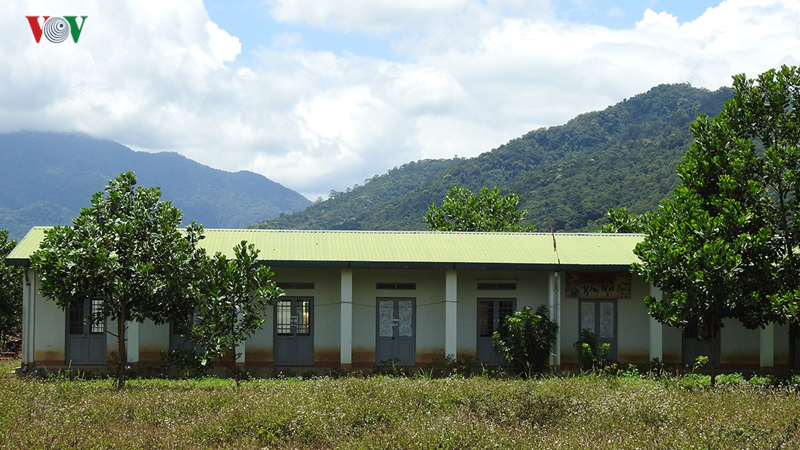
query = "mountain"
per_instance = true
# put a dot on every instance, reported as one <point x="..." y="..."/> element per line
<point x="567" y="176"/>
<point x="46" y="178"/>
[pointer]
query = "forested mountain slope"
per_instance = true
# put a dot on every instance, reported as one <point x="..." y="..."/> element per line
<point x="567" y="176"/>
<point x="46" y="178"/>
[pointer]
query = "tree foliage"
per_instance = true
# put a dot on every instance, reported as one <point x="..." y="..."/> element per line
<point x="766" y="111"/>
<point x="10" y="292"/>
<point x="127" y="250"/>
<point x="525" y="340"/>
<point x="620" y="220"/>
<point x="461" y="210"/>
<point x="724" y="245"/>
<point x="233" y="297"/>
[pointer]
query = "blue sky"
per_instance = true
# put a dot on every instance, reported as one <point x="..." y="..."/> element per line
<point x="321" y="95"/>
<point x="251" y="22"/>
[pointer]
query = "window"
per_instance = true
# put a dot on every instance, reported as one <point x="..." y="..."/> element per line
<point x="497" y="286"/>
<point x="98" y="326"/>
<point x="76" y="319"/>
<point x="491" y="314"/>
<point x="295" y="285"/>
<point x="293" y="316"/>
<point x="396" y="286"/>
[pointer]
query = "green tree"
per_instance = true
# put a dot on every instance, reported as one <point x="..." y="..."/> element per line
<point x="462" y="210"/>
<point x="234" y="295"/>
<point x="622" y="221"/>
<point x="127" y="250"/>
<point x="525" y="340"/>
<point x="710" y="247"/>
<point x="10" y="293"/>
<point x="766" y="111"/>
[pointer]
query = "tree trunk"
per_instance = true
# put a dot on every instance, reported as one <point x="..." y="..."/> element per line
<point x="122" y="351"/>
<point x="713" y="341"/>
<point x="792" y="345"/>
<point x="235" y="369"/>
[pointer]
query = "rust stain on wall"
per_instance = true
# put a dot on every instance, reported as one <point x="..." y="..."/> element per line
<point x="49" y="356"/>
<point x="673" y="358"/>
<point x="258" y="354"/>
<point x="740" y="358"/>
<point x="429" y="356"/>
<point x="635" y="357"/>
<point x="327" y="356"/>
<point x="150" y="355"/>
<point x="569" y="358"/>
<point x="466" y="355"/>
<point x="364" y="356"/>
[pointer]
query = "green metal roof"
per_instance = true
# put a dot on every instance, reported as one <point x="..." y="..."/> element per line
<point x="411" y="249"/>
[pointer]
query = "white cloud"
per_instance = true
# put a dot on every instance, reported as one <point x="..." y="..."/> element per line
<point x="474" y="74"/>
<point x="224" y="47"/>
<point x="615" y="11"/>
<point x="370" y="16"/>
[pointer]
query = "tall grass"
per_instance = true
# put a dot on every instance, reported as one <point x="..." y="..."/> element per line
<point x="385" y="412"/>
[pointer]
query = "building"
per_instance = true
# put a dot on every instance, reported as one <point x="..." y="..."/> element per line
<point x="357" y="299"/>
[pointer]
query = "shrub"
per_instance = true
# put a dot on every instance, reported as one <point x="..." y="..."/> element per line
<point x="591" y="356"/>
<point x="525" y="340"/>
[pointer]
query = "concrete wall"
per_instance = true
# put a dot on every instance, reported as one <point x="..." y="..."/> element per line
<point x="673" y="346"/>
<point x="633" y="325"/>
<point x="781" y="342"/>
<point x="531" y="291"/>
<point x="153" y="341"/>
<point x="740" y="347"/>
<point x="325" y="318"/>
<point x="429" y="300"/>
<point x="50" y="331"/>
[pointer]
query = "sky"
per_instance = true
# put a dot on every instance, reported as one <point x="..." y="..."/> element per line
<point x="321" y="95"/>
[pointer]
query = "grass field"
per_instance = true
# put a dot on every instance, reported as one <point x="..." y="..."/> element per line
<point x="386" y="412"/>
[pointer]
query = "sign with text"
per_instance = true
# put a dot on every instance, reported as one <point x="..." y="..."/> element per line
<point x="598" y="285"/>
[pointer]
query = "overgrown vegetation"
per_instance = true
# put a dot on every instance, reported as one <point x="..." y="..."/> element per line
<point x="10" y="293"/>
<point x="390" y="412"/>
<point x="525" y="340"/>
<point x="234" y="295"/>
<point x="592" y="355"/>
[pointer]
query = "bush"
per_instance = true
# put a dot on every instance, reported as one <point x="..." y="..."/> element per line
<point x="525" y="340"/>
<point x="591" y="356"/>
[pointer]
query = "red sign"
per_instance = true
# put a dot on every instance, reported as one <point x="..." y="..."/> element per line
<point x="599" y="285"/>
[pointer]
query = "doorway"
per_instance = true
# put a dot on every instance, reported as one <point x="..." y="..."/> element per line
<point x="396" y="340"/>
<point x="294" y="339"/>
<point x="491" y="313"/>
<point x="600" y="317"/>
<point x="86" y="340"/>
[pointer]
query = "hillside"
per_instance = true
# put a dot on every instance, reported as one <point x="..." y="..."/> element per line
<point x="567" y="176"/>
<point x="47" y="177"/>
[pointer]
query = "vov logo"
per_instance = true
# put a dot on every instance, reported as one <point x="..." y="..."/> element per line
<point x="56" y="29"/>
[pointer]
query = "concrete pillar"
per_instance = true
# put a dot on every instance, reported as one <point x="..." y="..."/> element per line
<point x="27" y="317"/>
<point x="450" y="313"/>
<point x="346" y="331"/>
<point x="554" y="288"/>
<point x="767" y="344"/>
<point x="132" y="341"/>
<point x="656" y="331"/>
